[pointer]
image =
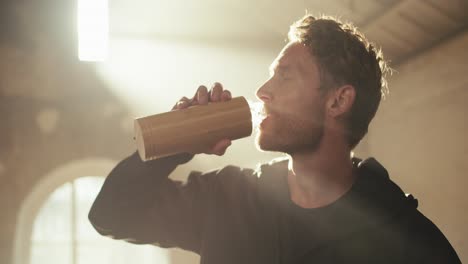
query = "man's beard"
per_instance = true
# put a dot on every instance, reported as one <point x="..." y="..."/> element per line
<point x="288" y="135"/>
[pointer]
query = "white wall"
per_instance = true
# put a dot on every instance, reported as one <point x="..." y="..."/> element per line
<point x="420" y="135"/>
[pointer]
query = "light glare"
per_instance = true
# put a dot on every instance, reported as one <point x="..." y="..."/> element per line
<point x="93" y="30"/>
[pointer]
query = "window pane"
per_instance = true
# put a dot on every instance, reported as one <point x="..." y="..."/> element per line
<point x="96" y="249"/>
<point x="51" y="253"/>
<point x="51" y="234"/>
<point x="120" y="252"/>
<point x="51" y="240"/>
<point x="86" y="190"/>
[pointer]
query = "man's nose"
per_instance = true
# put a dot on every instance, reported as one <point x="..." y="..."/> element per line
<point x="263" y="93"/>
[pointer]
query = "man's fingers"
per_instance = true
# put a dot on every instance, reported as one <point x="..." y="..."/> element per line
<point x="220" y="147"/>
<point x="202" y="95"/>
<point x="226" y="95"/>
<point x="184" y="102"/>
<point x="216" y="94"/>
<point x="216" y="91"/>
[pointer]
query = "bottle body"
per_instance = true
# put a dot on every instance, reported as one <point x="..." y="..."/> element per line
<point x="193" y="129"/>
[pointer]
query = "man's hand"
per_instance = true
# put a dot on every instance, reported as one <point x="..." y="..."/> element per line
<point x="202" y="97"/>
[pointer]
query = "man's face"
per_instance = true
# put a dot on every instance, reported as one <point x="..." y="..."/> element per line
<point x="293" y="103"/>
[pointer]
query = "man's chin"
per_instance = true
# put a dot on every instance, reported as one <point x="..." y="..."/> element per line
<point x="259" y="142"/>
<point x="263" y="144"/>
<point x="261" y="147"/>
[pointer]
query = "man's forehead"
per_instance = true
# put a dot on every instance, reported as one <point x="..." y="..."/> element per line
<point x="283" y="60"/>
<point x="291" y="55"/>
<point x="284" y="57"/>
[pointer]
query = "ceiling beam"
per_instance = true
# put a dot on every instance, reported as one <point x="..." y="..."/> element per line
<point x="430" y="45"/>
<point x="380" y="16"/>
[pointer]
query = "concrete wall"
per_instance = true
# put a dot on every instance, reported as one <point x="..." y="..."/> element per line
<point x="420" y="135"/>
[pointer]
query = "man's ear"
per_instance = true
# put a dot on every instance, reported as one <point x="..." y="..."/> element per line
<point x="340" y="100"/>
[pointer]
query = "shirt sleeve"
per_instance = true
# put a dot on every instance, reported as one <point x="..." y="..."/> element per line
<point x="140" y="204"/>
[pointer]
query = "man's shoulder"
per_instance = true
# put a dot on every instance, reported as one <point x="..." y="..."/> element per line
<point x="426" y="239"/>
<point x="385" y="197"/>
<point x="234" y="173"/>
<point x="402" y="223"/>
<point x="277" y="166"/>
<point x="234" y="178"/>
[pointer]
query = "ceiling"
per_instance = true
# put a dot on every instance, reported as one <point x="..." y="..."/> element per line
<point x="402" y="28"/>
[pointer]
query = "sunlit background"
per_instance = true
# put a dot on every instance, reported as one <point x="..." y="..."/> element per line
<point x="74" y="74"/>
<point x="93" y="29"/>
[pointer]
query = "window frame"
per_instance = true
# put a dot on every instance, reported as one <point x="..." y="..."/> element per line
<point x="40" y="192"/>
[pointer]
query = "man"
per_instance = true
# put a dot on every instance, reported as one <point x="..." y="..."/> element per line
<point x="318" y="206"/>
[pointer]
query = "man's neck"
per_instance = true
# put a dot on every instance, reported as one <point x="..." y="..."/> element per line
<point x="320" y="177"/>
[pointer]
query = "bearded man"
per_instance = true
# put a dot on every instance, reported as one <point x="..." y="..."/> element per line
<point x="319" y="205"/>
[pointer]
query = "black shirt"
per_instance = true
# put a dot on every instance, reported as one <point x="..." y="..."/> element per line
<point x="302" y="229"/>
<point x="235" y="215"/>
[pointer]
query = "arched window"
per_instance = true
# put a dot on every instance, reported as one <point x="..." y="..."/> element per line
<point x="53" y="224"/>
<point x="62" y="230"/>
